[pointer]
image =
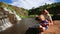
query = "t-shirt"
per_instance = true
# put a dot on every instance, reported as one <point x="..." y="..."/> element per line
<point x="48" y="17"/>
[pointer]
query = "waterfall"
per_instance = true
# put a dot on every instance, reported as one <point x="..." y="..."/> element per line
<point x="18" y="18"/>
<point x="4" y="21"/>
<point x="8" y="10"/>
<point x="6" y="24"/>
<point x="14" y="12"/>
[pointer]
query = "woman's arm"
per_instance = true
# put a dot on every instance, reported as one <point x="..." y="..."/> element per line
<point x="50" y="19"/>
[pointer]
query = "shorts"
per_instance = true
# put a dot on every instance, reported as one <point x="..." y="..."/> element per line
<point x="46" y="27"/>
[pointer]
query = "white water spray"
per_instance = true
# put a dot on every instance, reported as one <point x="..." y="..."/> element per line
<point x="14" y="12"/>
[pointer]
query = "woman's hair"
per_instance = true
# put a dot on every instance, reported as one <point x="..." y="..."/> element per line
<point x="45" y="11"/>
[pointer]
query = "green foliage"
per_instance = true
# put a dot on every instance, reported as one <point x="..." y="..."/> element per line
<point x="52" y="8"/>
<point x="31" y="16"/>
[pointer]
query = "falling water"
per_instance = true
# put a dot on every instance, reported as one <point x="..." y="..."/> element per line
<point x="4" y="21"/>
<point x="14" y="12"/>
<point x="6" y="24"/>
<point x="18" y="18"/>
<point x="8" y="10"/>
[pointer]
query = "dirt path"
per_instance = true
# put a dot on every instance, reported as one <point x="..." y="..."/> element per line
<point x="54" y="29"/>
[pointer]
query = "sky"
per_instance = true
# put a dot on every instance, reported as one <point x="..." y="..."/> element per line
<point x="28" y="4"/>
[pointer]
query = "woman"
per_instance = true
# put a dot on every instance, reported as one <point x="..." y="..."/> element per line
<point x="43" y="23"/>
<point x="47" y="16"/>
<point x="45" y="20"/>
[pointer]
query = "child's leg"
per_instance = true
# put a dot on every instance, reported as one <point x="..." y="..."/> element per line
<point x="42" y="28"/>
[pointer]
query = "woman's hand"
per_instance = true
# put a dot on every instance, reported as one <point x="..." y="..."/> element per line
<point x="50" y="22"/>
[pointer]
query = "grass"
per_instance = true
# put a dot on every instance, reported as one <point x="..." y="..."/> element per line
<point x="32" y="16"/>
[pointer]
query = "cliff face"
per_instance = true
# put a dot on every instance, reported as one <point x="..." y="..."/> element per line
<point x="19" y="11"/>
